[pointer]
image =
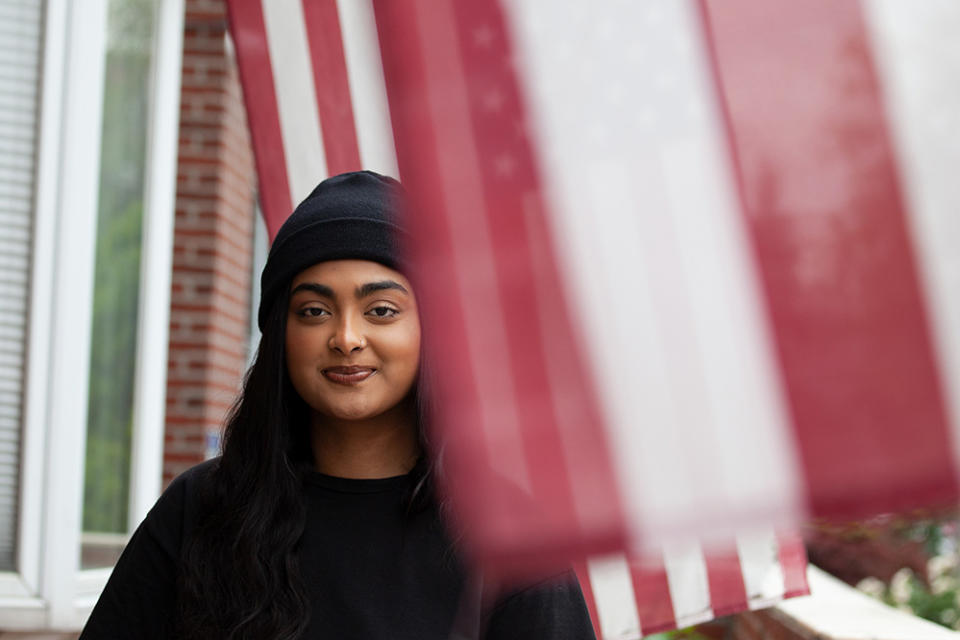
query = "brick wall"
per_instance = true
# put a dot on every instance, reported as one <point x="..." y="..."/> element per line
<point x="209" y="315"/>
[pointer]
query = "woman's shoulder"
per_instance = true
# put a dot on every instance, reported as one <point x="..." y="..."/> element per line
<point x="545" y="607"/>
<point x="196" y="477"/>
<point x="139" y="599"/>
<point x="175" y="512"/>
<point x="184" y="488"/>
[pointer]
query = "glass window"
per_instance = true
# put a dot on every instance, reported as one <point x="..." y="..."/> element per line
<point x="130" y="32"/>
<point x="19" y="77"/>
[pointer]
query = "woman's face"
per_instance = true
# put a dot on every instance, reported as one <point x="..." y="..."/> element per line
<point x="353" y="338"/>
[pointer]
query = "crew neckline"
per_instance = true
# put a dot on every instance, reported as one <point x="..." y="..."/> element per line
<point x="358" y="485"/>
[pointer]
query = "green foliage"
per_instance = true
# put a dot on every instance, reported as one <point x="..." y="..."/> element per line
<point x="931" y="532"/>
<point x="937" y="597"/>
<point x="117" y="280"/>
<point x="112" y="365"/>
<point x="131" y="25"/>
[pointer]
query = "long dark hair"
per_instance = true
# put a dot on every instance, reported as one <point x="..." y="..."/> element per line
<point x="240" y="575"/>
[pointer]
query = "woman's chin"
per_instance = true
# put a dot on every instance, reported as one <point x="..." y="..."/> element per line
<point x="349" y="413"/>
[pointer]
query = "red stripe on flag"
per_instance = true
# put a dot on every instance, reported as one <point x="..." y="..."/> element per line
<point x="725" y="578"/>
<point x="583" y="576"/>
<point x="259" y="93"/>
<point x="652" y="591"/>
<point x="821" y="198"/>
<point x="506" y="531"/>
<point x="527" y="270"/>
<point x="443" y="318"/>
<point x="793" y="561"/>
<point x="332" y="87"/>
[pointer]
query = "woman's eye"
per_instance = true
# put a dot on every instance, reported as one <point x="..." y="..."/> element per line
<point x="313" y="312"/>
<point x="383" y="312"/>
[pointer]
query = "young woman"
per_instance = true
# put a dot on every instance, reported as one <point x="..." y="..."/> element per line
<point x="319" y="519"/>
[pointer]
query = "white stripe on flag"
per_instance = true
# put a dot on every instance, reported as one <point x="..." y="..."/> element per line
<point x="470" y="236"/>
<point x="596" y="248"/>
<point x="918" y="54"/>
<point x="564" y="391"/>
<point x="745" y="435"/>
<point x="361" y="50"/>
<point x="759" y="563"/>
<point x="648" y="222"/>
<point x="613" y="595"/>
<point x="296" y="97"/>
<point x="689" y="586"/>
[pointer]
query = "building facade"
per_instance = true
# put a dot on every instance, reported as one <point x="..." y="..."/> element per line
<point x="129" y="242"/>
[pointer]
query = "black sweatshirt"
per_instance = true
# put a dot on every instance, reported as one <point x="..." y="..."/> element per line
<point x="371" y="571"/>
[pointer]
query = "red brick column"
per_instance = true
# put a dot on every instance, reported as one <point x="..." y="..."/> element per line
<point x="209" y="312"/>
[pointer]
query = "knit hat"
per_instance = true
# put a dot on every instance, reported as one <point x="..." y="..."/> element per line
<point x="348" y="216"/>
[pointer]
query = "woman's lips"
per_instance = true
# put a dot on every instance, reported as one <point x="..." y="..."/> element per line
<point x="348" y="375"/>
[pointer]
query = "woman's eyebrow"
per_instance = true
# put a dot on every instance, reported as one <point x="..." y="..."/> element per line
<point x="319" y="289"/>
<point x="370" y="287"/>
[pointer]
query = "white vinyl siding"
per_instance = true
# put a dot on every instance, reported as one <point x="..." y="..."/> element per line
<point x="20" y="28"/>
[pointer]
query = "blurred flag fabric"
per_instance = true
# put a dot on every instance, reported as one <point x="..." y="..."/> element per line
<point x="631" y="595"/>
<point x="688" y="268"/>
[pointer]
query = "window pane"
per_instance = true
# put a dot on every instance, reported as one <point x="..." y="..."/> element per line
<point x="20" y="35"/>
<point x="116" y="286"/>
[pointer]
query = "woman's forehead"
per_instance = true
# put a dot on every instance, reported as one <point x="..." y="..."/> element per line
<point x="348" y="272"/>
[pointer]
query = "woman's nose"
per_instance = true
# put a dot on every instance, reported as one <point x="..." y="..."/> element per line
<point x="348" y="337"/>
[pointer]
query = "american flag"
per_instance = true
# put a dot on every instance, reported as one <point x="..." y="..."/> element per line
<point x="688" y="267"/>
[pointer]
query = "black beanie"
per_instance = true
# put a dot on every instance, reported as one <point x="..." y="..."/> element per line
<point x="348" y="216"/>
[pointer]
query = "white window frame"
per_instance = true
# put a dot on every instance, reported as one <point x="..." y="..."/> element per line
<point x="49" y="590"/>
